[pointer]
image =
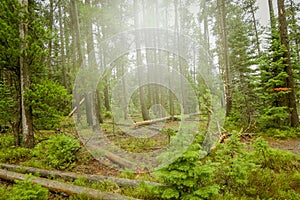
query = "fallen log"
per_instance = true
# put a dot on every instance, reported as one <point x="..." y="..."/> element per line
<point x="122" y="182"/>
<point x="66" y="188"/>
<point x="151" y="121"/>
<point x="120" y="161"/>
<point x="76" y="107"/>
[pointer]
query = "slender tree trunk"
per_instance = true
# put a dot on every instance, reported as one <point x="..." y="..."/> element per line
<point x="75" y="22"/>
<point x="295" y="30"/>
<point x="252" y="10"/>
<point x="145" y="114"/>
<point x="294" y="120"/>
<point x="50" y="41"/>
<point x="272" y="16"/>
<point x="77" y="45"/>
<point x="124" y="91"/>
<point x="106" y="93"/>
<point x="99" y="107"/>
<point x="27" y="131"/>
<point x="224" y="57"/>
<point x="91" y="65"/>
<point x="62" y="47"/>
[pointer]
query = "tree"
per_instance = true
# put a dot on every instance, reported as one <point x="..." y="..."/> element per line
<point x="223" y="55"/>
<point x="291" y="99"/>
<point x="27" y="129"/>
<point x="144" y="110"/>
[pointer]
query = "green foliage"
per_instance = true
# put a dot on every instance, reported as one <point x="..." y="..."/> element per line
<point x="58" y="151"/>
<point x="14" y="154"/>
<point x="273" y="106"/>
<point x="233" y="122"/>
<point x="274" y="159"/>
<point x="283" y="133"/>
<point x="4" y="191"/>
<point x="6" y="141"/>
<point x="9" y="153"/>
<point x="143" y="191"/>
<point x="50" y="102"/>
<point x="188" y="178"/>
<point x="235" y="165"/>
<point x="7" y="104"/>
<point x="25" y="190"/>
<point x="169" y="132"/>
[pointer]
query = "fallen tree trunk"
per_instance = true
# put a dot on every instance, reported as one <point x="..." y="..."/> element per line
<point x="151" y="121"/>
<point x="122" y="182"/>
<point x="76" y="107"/>
<point x="66" y="188"/>
<point x="120" y="161"/>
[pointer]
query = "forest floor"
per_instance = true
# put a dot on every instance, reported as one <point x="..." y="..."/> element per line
<point x="292" y="145"/>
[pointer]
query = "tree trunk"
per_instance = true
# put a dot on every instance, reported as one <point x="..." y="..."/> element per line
<point x="26" y="118"/>
<point x="98" y="107"/>
<point x="291" y="100"/>
<point x="224" y="57"/>
<point x="144" y="110"/>
<point x="272" y="16"/>
<point x="50" y="41"/>
<point x="70" y="176"/>
<point x="65" y="188"/>
<point x="62" y="47"/>
<point x="106" y="93"/>
<point x="124" y="91"/>
<point x="252" y="10"/>
<point x="76" y="46"/>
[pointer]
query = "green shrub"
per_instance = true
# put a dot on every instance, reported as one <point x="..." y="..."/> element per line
<point x="13" y="154"/>
<point x="58" y="151"/>
<point x="50" y="102"/>
<point x="6" y="141"/>
<point x="7" y="104"/>
<point x="283" y="133"/>
<point x="25" y="190"/>
<point x="188" y="178"/>
<point x="235" y="166"/>
<point x="273" y="158"/>
<point x="4" y="192"/>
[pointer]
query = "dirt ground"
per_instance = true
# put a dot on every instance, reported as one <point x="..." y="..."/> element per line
<point x="292" y="145"/>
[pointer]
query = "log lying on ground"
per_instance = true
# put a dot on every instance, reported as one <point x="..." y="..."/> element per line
<point x="66" y="188"/>
<point x="151" y="121"/>
<point x="122" y="182"/>
<point x="120" y="161"/>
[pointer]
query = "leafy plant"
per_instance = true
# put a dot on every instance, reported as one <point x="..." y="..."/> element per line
<point x="58" y="151"/>
<point x="25" y="190"/>
<point x="49" y="102"/>
<point x="235" y="166"/>
<point x="188" y="178"/>
<point x="13" y="154"/>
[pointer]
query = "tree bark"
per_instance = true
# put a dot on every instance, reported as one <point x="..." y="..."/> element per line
<point x="252" y="10"/>
<point x="66" y="188"/>
<point x="291" y="100"/>
<point x="62" y="47"/>
<point x="144" y="110"/>
<point x="50" y="40"/>
<point x="26" y="117"/>
<point x="70" y="176"/>
<point x="272" y="16"/>
<point x="224" y="57"/>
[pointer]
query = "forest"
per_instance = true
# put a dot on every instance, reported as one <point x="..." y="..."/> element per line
<point x="141" y="99"/>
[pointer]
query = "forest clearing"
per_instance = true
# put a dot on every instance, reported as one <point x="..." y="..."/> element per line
<point x="152" y="100"/>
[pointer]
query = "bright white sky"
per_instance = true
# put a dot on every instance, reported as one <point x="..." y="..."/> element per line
<point x="263" y="11"/>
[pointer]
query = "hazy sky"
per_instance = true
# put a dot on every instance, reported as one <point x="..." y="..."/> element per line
<point x="263" y="12"/>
